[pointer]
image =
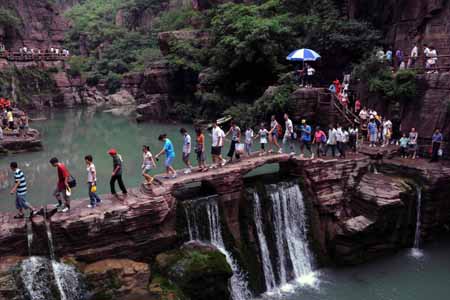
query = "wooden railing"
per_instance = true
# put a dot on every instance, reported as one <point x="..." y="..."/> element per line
<point x="17" y="56"/>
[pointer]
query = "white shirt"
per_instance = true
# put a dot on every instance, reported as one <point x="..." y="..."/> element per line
<point x="289" y="127"/>
<point x="91" y="171"/>
<point x="263" y="134"/>
<point x="310" y="71"/>
<point x="363" y="114"/>
<point x="187" y="144"/>
<point x="340" y="137"/>
<point x="345" y="136"/>
<point x="332" y="136"/>
<point x="147" y="160"/>
<point x="249" y="136"/>
<point x="217" y="133"/>
<point x="415" y="52"/>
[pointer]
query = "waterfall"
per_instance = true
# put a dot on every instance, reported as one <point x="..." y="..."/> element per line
<point x="269" y="275"/>
<point x="68" y="281"/>
<point x="294" y="259"/>
<point x="48" y="230"/>
<point x="213" y="234"/>
<point x="416" y="252"/>
<point x="29" y="236"/>
<point x="43" y="279"/>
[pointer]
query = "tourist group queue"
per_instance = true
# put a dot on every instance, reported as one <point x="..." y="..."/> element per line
<point x="336" y="140"/>
<point x="32" y="51"/>
<point x="9" y="123"/>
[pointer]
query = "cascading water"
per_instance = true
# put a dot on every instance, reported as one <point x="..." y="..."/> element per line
<point x="213" y="233"/>
<point x="269" y="275"/>
<point x="48" y="279"/>
<point x="416" y="252"/>
<point x="294" y="260"/>
<point x="29" y="236"/>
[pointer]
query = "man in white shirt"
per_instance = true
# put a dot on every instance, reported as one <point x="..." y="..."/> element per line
<point x="340" y="139"/>
<point x="289" y="134"/>
<point x="310" y="71"/>
<point x="414" y="56"/>
<point x="186" y="150"/>
<point x="332" y="140"/>
<point x="218" y="137"/>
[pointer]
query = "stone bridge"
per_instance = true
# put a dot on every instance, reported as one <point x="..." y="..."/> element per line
<point x="355" y="213"/>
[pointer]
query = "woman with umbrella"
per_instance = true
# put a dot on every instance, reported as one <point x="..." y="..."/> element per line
<point x="304" y="55"/>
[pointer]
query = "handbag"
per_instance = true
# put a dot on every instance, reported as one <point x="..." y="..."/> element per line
<point x="72" y="182"/>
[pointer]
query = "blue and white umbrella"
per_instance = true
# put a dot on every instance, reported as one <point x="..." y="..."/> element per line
<point x="303" y="55"/>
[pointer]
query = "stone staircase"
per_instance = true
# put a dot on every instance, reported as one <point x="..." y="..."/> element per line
<point x="329" y="106"/>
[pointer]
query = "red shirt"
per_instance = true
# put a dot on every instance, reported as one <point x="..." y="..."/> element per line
<point x="63" y="173"/>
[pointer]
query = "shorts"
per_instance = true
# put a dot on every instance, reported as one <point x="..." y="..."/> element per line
<point x="275" y="134"/>
<point x="201" y="156"/>
<point x="413" y="147"/>
<point x="186" y="156"/>
<point x="216" y="150"/>
<point x="168" y="162"/>
<point x="147" y="169"/>
<point x="21" y="202"/>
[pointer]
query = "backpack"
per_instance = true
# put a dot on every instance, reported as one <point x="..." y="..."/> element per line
<point x="72" y="182"/>
<point x="323" y="138"/>
<point x="279" y="130"/>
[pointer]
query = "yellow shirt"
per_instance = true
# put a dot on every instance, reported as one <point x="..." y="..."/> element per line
<point x="9" y="116"/>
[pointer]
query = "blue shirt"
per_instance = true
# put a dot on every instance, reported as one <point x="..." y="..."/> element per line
<point x="20" y="178"/>
<point x="168" y="148"/>
<point x="373" y="128"/>
<point x="389" y="55"/>
<point x="305" y="133"/>
<point x="437" y="137"/>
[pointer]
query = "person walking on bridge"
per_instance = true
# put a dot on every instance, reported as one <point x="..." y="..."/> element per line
<point x="320" y="140"/>
<point x="200" y="150"/>
<point x="235" y="133"/>
<point x="148" y="163"/>
<point x="20" y="189"/>
<point x="275" y="131"/>
<point x="218" y="137"/>
<point x="169" y="151"/>
<point x="289" y="134"/>
<point x="332" y="140"/>
<point x="187" y="147"/>
<point x="305" y="138"/>
<point x="116" y="173"/>
<point x="92" y="182"/>
<point x="62" y="190"/>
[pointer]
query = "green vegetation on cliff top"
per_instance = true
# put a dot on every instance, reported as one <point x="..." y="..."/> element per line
<point x="246" y="51"/>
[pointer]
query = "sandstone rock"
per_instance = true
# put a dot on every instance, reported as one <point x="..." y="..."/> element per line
<point x="121" y="98"/>
<point x="117" y="278"/>
<point x="8" y="286"/>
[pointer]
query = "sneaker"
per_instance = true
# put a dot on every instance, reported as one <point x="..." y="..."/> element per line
<point x="292" y="153"/>
<point x="65" y="209"/>
<point x="57" y="205"/>
<point x="312" y="156"/>
<point x="187" y="171"/>
<point x="91" y="206"/>
<point x="173" y="176"/>
<point x="280" y="151"/>
<point x="224" y="162"/>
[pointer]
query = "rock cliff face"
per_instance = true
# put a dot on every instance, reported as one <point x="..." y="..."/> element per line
<point x="41" y="23"/>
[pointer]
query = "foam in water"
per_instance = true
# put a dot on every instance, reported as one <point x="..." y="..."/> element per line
<point x="238" y="283"/>
<point x="36" y="285"/>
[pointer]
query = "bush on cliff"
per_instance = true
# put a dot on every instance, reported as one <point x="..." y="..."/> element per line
<point x="9" y="18"/>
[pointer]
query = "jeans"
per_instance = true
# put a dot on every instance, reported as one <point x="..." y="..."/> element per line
<point x="61" y="193"/>
<point x="341" y="147"/>
<point x="333" y="149"/>
<point x="287" y="139"/>
<point x="93" y="196"/>
<point x="435" y="153"/>
<point x="248" y="148"/>
<point x="112" y="184"/>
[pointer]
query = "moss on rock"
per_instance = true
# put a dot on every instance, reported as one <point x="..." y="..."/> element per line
<point x="200" y="272"/>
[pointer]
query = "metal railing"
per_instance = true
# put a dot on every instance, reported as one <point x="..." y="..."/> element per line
<point x="17" y="56"/>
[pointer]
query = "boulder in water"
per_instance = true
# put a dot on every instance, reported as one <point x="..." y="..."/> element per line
<point x="196" y="271"/>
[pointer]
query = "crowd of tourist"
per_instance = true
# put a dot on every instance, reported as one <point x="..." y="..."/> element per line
<point x="53" y="51"/>
<point x="9" y="122"/>
<point x="399" y="61"/>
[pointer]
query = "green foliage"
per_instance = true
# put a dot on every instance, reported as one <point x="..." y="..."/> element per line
<point x="400" y="86"/>
<point x="113" y="50"/>
<point x="26" y="83"/>
<point x="113" y="82"/>
<point x="9" y="18"/>
<point x="177" y="19"/>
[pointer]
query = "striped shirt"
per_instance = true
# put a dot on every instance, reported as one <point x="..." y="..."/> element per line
<point x="20" y="178"/>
